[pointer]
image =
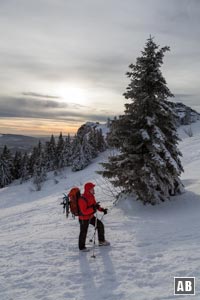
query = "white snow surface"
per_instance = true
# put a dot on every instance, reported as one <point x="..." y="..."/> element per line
<point x="39" y="256"/>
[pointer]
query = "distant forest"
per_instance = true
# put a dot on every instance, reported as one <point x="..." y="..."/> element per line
<point x="76" y="152"/>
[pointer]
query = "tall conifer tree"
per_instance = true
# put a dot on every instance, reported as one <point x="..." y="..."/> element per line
<point x="148" y="162"/>
<point x="67" y="151"/>
<point x="25" y="168"/>
<point x="39" y="173"/>
<point x="60" y="161"/>
<point x="17" y="165"/>
<point x="6" y="163"/>
<point x="82" y="153"/>
<point x="50" y="154"/>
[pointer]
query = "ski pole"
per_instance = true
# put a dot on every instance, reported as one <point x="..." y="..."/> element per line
<point x="95" y="229"/>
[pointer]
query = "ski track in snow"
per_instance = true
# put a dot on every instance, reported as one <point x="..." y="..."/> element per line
<point x="39" y="257"/>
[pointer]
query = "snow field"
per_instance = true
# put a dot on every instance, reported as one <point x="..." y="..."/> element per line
<point x="39" y="257"/>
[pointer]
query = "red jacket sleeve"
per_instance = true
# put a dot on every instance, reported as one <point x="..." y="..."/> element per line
<point x="83" y="207"/>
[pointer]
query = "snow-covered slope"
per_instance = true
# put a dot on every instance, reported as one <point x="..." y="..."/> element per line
<point x="39" y="257"/>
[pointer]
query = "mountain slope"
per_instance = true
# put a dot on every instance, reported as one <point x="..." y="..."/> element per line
<point x="39" y="257"/>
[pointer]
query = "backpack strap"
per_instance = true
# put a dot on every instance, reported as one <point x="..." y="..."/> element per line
<point x="86" y="200"/>
<point x="79" y="211"/>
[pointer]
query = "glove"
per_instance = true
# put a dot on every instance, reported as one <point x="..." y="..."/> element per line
<point x="105" y="211"/>
<point x="96" y="206"/>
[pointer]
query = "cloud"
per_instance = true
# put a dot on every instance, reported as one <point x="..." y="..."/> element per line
<point x="45" y="42"/>
<point x="36" y="95"/>
<point x="12" y="107"/>
<point x="28" y="107"/>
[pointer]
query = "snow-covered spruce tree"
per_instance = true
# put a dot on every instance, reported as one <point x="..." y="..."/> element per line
<point x="97" y="141"/>
<point x="82" y="153"/>
<point x="50" y="154"/>
<point x="16" y="169"/>
<point x="67" y="152"/>
<point x="6" y="162"/>
<point x="92" y="140"/>
<point x="32" y="159"/>
<point x="101" y="144"/>
<point x="148" y="161"/>
<point x="25" y="175"/>
<point x="60" y="163"/>
<point x="39" y="170"/>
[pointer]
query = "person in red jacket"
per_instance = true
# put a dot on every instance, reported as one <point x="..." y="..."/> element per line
<point x="87" y="207"/>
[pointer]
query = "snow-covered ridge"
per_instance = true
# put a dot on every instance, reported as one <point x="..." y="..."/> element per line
<point x="186" y="115"/>
<point x="86" y="128"/>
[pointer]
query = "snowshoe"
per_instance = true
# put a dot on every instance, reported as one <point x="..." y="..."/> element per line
<point x="104" y="243"/>
<point x="85" y="250"/>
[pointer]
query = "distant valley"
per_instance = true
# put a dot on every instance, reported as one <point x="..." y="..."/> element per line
<point x="20" y="142"/>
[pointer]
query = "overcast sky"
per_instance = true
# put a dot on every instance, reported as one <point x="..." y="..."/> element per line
<point x="63" y="62"/>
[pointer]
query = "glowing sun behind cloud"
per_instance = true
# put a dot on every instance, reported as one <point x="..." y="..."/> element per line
<point x="72" y="94"/>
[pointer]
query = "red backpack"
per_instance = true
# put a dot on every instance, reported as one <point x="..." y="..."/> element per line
<point x="70" y="202"/>
<point x="74" y="195"/>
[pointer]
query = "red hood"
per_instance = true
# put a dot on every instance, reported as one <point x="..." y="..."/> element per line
<point x="88" y="186"/>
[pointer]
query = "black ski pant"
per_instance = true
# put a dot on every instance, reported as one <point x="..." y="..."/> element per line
<point x="84" y="228"/>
